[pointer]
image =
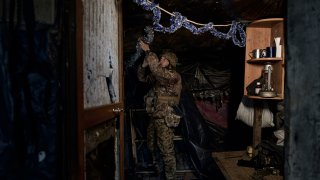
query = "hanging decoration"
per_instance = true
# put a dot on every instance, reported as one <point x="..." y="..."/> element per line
<point x="177" y="21"/>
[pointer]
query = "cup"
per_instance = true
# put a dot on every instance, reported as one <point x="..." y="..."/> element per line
<point x="257" y="53"/>
<point x="270" y="52"/>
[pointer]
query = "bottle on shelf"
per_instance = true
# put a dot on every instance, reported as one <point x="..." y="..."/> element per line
<point x="257" y="88"/>
<point x="278" y="47"/>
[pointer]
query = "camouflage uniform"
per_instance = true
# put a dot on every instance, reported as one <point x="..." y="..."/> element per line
<point x="166" y="93"/>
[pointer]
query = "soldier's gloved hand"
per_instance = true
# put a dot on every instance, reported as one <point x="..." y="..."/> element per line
<point x="144" y="46"/>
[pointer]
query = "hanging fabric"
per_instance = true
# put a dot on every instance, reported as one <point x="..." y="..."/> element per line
<point x="28" y="109"/>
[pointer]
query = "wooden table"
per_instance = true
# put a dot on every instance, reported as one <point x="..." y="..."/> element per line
<point x="227" y="162"/>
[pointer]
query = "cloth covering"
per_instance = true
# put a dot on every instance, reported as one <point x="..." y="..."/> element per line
<point x="245" y="113"/>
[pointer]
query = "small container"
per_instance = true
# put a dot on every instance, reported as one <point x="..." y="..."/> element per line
<point x="257" y="88"/>
<point x="250" y="151"/>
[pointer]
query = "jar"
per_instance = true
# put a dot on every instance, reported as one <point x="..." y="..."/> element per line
<point x="257" y="88"/>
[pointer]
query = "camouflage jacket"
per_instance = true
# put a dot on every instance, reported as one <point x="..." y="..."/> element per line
<point x="166" y="85"/>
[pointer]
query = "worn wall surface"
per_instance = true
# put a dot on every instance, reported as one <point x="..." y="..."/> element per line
<point x="303" y="90"/>
<point x="100" y="53"/>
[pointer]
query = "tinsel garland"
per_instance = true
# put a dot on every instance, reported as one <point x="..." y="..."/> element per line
<point x="177" y="21"/>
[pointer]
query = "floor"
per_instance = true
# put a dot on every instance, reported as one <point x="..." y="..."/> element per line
<point x="141" y="157"/>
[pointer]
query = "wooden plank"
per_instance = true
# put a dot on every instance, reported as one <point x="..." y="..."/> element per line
<point x="266" y="22"/>
<point x="98" y="134"/>
<point x="256" y="137"/>
<point x="227" y="162"/>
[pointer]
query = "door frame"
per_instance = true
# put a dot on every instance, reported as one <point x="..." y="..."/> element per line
<point x="87" y="118"/>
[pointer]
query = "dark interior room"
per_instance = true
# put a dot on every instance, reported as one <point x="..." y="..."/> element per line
<point x="212" y="70"/>
<point x="159" y="89"/>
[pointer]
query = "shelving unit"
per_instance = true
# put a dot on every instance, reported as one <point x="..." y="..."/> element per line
<point x="261" y="34"/>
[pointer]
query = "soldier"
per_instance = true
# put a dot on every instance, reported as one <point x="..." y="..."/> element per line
<point x="160" y="101"/>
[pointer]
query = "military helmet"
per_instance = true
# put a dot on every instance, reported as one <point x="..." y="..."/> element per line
<point x="172" y="58"/>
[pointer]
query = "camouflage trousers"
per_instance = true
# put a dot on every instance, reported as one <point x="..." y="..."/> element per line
<point x="161" y="136"/>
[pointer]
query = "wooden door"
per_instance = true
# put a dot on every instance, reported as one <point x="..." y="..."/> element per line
<point x="100" y="93"/>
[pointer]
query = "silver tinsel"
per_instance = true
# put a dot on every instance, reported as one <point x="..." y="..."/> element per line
<point x="177" y="21"/>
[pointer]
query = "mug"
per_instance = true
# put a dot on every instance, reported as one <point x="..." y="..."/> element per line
<point x="270" y="52"/>
<point x="257" y="53"/>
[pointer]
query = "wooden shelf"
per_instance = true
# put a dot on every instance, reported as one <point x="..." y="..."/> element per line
<point x="264" y="60"/>
<point x="264" y="98"/>
<point x="266" y="23"/>
<point x="261" y="34"/>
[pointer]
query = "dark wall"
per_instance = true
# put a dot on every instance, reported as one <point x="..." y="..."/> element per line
<point x="303" y="90"/>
